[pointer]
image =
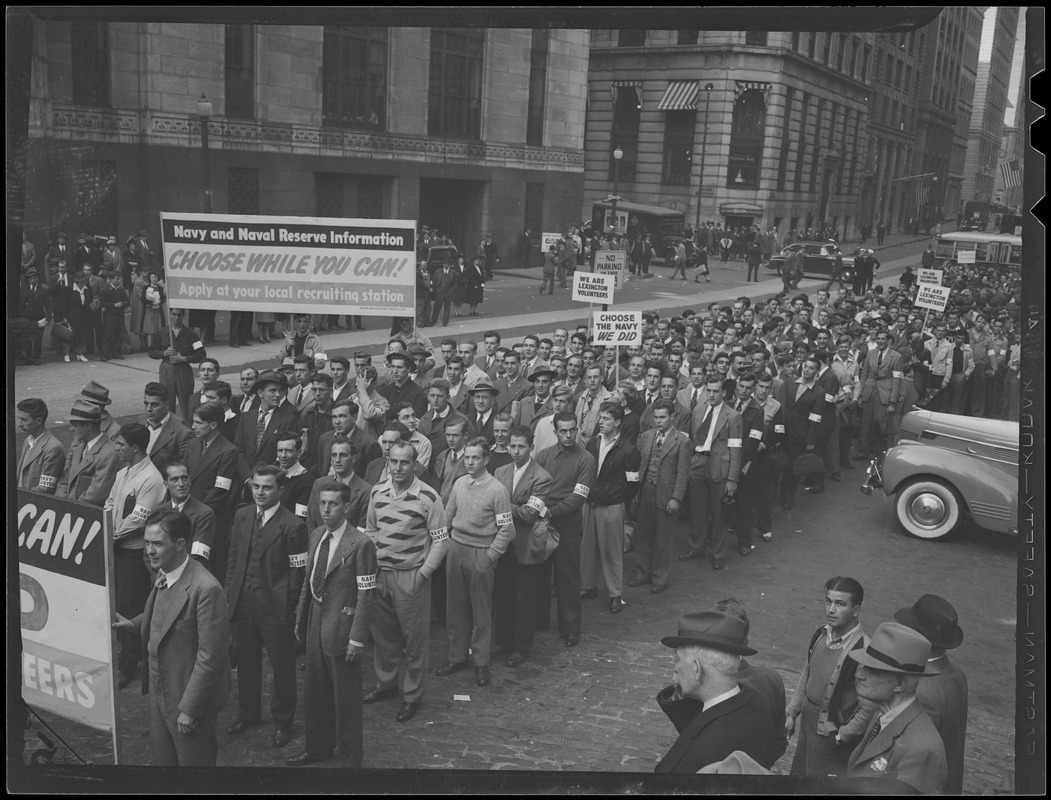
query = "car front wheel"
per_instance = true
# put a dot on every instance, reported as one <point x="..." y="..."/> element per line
<point x="929" y="509"/>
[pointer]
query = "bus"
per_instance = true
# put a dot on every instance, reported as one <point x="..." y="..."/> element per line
<point x="990" y="249"/>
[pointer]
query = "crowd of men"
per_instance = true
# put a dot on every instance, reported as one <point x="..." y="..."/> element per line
<point x="460" y="485"/>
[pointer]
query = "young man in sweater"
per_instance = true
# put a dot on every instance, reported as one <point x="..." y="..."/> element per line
<point x="481" y="528"/>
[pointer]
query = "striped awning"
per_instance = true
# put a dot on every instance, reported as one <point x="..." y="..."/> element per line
<point x="679" y="96"/>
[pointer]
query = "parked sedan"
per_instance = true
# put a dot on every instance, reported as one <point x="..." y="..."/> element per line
<point x="438" y="255"/>
<point x="946" y="466"/>
<point x="817" y="258"/>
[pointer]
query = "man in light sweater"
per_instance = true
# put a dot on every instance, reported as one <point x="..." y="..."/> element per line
<point x="481" y="528"/>
<point x="406" y="521"/>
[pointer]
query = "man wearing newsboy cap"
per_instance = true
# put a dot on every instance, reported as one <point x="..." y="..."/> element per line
<point x="708" y="650"/>
<point x="901" y="741"/>
<point x="944" y="696"/>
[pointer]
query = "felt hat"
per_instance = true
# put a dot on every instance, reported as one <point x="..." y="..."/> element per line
<point x="83" y="411"/>
<point x="711" y="629"/>
<point x="897" y="648"/>
<point x="61" y="234"/>
<point x="484" y="386"/>
<point x="935" y="618"/>
<point x="32" y="273"/>
<point x="143" y="233"/>
<point x="96" y="393"/>
<point x="288" y="362"/>
<point x="417" y="349"/>
<point x="268" y="376"/>
<point x="542" y="369"/>
<point x="403" y="357"/>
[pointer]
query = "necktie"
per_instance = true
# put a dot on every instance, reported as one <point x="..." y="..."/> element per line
<point x="879" y="360"/>
<point x="693" y="401"/>
<point x="317" y="580"/>
<point x="649" y="398"/>
<point x="660" y="440"/>
<point x="162" y="581"/>
<point x="260" y="429"/>
<point x="706" y="424"/>
<point x="259" y="518"/>
<point x="875" y="731"/>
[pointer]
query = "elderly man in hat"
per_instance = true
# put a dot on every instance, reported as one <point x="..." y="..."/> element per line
<point x="901" y="742"/>
<point x="943" y="696"/>
<point x="98" y="395"/>
<point x="732" y="715"/>
<point x="185" y="348"/>
<point x="257" y="428"/>
<point x="92" y="462"/>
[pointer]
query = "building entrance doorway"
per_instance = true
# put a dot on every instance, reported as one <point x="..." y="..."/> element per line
<point x="736" y="221"/>
<point x="455" y="209"/>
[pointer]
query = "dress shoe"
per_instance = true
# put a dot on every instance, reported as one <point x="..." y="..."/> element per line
<point x="690" y="556"/>
<point x="377" y="694"/>
<point x="572" y="639"/>
<point x="637" y="582"/>
<point x="407" y="711"/>
<point x="747" y="551"/>
<point x="718" y="563"/>
<point x="516" y="659"/>
<point x="241" y="726"/>
<point x="658" y="588"/>
<point x="768" y="536"/>
<point x="616" y="604"/>
<point x="282" y="736"/>
<point x="481" y="676"/>
<point x="307" y="758"/>
<point x="589" y="594"/>
<point x="449" y="667"/>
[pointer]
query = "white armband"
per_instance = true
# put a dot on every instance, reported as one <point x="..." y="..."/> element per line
<point x="223" y="483"/>
<point x="632" y="477"/>
<point x="297" y="560"/>
<point x="439" y="535"/>
<point x="733" y="442"/>
<point x="48" y="482"/>
<point x="814" y="417"/>
<point x="198" y="345"/>
<point x="321" y="356"/>
<point x="139" y="513"/>
<point x="829" y="398"/>
<point x="366" y="582"/>
<point x="301" y="510"/>
<point x="537" y="504"/>
<point x="897" y="374"/>
<point x="779" y="429"/>
<point x="200" y="549"/>
<point x="505" y="518"/>
<point x="990" y="353"/>
<point x="755" y="433"/>
<point x="582" y="490"/>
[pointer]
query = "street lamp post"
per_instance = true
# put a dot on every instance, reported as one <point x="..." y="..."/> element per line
<point x="618" y="154"/>
<point x="704" y="146"/>
<point x="204" y="111"/>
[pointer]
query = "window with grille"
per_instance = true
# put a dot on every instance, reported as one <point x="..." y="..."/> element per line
<point x="90" y="53"/>
<point x="328" y="194"/>
<point x="757" y="38"/>
<point x="625" y="134"/>
<point x="688" y="37"/>
<point x="842" y="54"/>
<point x="95" y="187"/>
<point x="812" y="186"/>
<point x="786" y="141"/>
<point x="867" y="53"/>
<point x="534" y="208"/>
<point x="370" y="197"/>
<point x="797" y="181"/>
<point x="239" y="67"/>
<point x="854" y="58"/>
<point x="243" y="190"/>
<point x="631" y="38"/>
<point x="746" y="140"/>
<point x="455" y="93"/>
<point x="354" y="77"/>
<point x="678" y="146"/>
<point x="537" y="87"/>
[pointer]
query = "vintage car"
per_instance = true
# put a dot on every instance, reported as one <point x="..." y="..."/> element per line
<point x="439" y="254"/>
<point x="945" y="466"/>
<point x="817" y="258"/>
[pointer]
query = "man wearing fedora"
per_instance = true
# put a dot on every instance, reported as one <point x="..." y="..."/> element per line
<point x="34" y="313"/>
<point x="92" y="462"/>
<point x="482" y="412"/>
<point x="900" y="742"/>
<point x="732" y="716"/>
<point x="943" y="696"/>
<point x="257" y="428"/>
<point x="538" y="402"/>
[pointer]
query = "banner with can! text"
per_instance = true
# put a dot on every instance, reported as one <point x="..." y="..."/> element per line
<point x="64" y="572"/>
<point x="305" y="265"/>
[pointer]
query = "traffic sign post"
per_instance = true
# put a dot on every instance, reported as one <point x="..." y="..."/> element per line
<point x="612" y="262"/>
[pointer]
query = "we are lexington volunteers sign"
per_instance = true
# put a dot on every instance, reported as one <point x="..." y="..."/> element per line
<point x="290" y="264"/>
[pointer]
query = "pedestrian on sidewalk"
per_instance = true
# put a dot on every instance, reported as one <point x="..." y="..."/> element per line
<point x="113" y="301"/>
<point x="474" y="284"/>
<point x="755" y="258"/>
<point x="700" y="265"/>
<point x="550" y="265"/>
<point x="680" y="261"/>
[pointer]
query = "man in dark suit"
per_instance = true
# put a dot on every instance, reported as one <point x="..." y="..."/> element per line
<point x="268" y="551"/>
<point x="536" y="403"/>
<point x="363" y="448"/>
<point x="92" y="463"/>
<point x="169" y="437"/>
<point x="708" y="650"/>
<point x="664" y="459"/>
<point x="401" y="388"/>
<point x="257" y="428"/>
<point x="943" y="696"/>
<point x="804" y="403"/>
<point x="220" y="393"/>
<point x="483" y="411"/>
<point x="247" y="399"/>
<point x="754" y="482"/>
<point x="512" y="385"/>
<point x="905" y="745"/>
<point x="185" y="640"/>
<point x="333" y="619"/>
<point x="217" y="474"/>
<point x="444" y="283"/>
<point x="202" y="519"/>
<point x="881" y="374"/>
<point x="343" y="472"/>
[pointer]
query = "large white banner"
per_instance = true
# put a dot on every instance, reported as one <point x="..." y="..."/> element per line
<point x="290" y="264"/>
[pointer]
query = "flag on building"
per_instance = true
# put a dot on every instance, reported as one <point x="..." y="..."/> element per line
<point x="1011" y="171"/>
<point x="923" y="191"/>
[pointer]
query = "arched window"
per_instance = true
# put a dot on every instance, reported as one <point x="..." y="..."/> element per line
<point x="746" y="140"/>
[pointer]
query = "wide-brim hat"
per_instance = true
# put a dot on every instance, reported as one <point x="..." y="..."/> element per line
<point x="416" y="349"/>
<point x="61" y="235"/>
<point x="83" y="411"/>
<point x="96" y="393"/>
<point x="712" y="629"/>
<point x="484" y="386"/>
<point x="542" y="369"/>
<point x="143" y="233"/>
<point x="268" y="376"/>
<point x="935" y="618"/>
<point x="400" y="356"/>
<point x="897" y="648"/>
<point x="289" y="362"/>
<point x="32" y="273"/>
